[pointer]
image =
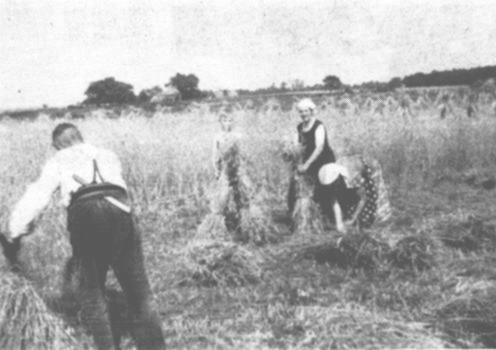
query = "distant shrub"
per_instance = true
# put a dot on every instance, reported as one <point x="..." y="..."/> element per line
<point x="109" y="90"/>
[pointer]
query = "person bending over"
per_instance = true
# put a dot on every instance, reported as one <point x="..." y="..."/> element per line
<point x="102" y="234"/>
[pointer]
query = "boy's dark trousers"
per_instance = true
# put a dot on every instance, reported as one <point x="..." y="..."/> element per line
<point x="103" y="236"/>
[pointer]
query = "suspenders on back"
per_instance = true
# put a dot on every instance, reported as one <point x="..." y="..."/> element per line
<point x="96" y="171"/>
<point x="98" y="189"/>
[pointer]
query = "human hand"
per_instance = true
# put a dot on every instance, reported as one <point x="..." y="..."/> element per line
<point x="8" y="236"/>
<point x="351" y="221"/>
<point x="342" y="228"/>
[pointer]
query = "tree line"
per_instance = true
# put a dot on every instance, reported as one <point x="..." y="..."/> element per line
<point x="110" y="90"/>
<point x="472" y="77"/>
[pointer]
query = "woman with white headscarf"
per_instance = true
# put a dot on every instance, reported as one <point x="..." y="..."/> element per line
<point x="318" y="162"/>
<point x="351" y="189"/>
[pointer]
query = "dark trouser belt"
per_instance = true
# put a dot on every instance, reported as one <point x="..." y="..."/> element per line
<point x="109" y="192"/>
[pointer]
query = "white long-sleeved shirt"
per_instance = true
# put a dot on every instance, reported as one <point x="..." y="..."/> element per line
<point x="57" y="173"/>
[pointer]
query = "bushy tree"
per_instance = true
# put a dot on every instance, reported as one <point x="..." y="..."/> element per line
<point x="187" y="85"/>
<point x="109" y="90"/>
<point x="332" y="82"/>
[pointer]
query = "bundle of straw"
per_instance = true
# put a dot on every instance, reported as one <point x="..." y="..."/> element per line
<point x="257" y="227"/>
<point x="363" y="251"/>
<point x="214" y="263"/>
<point x="26" y="322"/>
<point x="235" y="215"/>
<point x="416" y="252"/>
<point x="307" y="216"/>
<point x="354" y="250"/>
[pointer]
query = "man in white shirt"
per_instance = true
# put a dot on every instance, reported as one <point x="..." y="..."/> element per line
<point x="102" y="234"/>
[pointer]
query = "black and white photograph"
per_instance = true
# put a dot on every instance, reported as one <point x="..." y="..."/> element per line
<point x="267" y="174"/>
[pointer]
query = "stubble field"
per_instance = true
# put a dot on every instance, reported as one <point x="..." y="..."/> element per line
<point x="433" y="286"/>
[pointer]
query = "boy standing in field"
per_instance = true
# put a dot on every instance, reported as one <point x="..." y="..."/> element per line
<point x="233" y="188"/>
<point x="102" y="234"/>
<point x="226" y="139"/>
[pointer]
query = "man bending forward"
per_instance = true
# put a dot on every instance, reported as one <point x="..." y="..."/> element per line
<point x="102" y="234"/>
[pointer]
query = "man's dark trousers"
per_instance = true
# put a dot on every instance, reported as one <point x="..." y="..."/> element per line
<point x="103" y="236"/>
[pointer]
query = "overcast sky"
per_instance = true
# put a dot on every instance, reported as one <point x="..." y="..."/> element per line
<point x="51" y="50"/>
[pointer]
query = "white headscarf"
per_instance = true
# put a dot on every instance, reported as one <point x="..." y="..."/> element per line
<point x="306" y="103"/>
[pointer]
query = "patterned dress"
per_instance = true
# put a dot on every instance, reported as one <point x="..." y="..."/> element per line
<point x="366" y="180"/>
<point x="364" y="184"/>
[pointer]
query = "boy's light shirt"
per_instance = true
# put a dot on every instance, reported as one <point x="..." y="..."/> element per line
<point x="58" y="173"/>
